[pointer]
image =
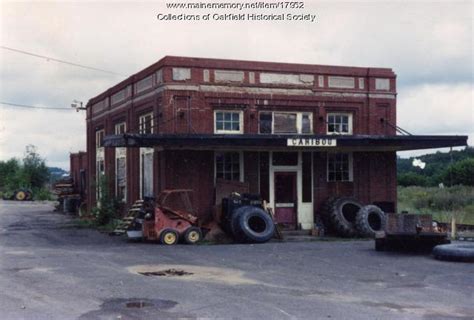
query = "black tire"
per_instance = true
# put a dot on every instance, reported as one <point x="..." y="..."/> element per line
<point x="369" y="220"/>
<point x="252" y="224"/>
<point x="169" y="237"/>
<point x="342" y="214"/>
<point x="20" y="195"/>
<point x="192" y="235"/>
<point x="459" y="252"/>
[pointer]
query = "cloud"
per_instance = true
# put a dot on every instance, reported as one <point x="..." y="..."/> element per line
<point x="428" y="44"/>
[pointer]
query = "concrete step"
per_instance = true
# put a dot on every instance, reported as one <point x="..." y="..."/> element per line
<point x="288" y="233"/>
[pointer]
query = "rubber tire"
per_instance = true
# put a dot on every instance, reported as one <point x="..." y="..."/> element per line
<point x="20" y="195"/>
<point x="165" y="232"/>
<point x="244" y="231"/>
<point x="459" y="252"/>
<point x="343" y="226"/>
<point x="188" y="233"/>
<point x="362" y="223"/>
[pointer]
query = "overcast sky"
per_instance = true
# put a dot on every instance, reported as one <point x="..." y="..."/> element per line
<point x="429" y="46"/>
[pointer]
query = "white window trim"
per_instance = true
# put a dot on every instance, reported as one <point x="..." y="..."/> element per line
<point x="241" y="164"/>
<point x="241" y="122"/>
<point x="351" y="168"/>
<point x="141" y="120"/>
<point x="350" y="121"/>
<point x="120" y="153"/>
<point x="299" y="121"/>
<point x="97" y="138"/>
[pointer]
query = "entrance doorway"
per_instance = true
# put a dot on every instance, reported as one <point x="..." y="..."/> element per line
<point x="286" y="199"/>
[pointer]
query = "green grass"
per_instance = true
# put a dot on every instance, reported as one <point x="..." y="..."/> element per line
<point x="441" y="203"/>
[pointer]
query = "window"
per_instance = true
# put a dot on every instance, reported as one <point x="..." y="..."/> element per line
<point x="99" y="138"/>
<point x="228" y="166"/>
<point x="285" y="122"/>
<point x="146" y="123"/>
<point x="339" y="167"/>
<point x="339" y="123"/>
<point x="121" y="166"/>
<point x="228" y="121"/>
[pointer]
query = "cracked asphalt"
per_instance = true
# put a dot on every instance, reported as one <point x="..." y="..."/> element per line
<point x="49" y="269"/>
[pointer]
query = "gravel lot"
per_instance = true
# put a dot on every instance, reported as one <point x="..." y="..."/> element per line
<point x="49" y="269"/>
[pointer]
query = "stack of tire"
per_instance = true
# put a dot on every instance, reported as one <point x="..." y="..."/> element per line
<point x="19" y="195"/>
<point x="347" y="217"/>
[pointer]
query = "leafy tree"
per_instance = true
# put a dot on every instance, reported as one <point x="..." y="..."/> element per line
<point x="461" y="172"/>
<point x="35" y="170"/>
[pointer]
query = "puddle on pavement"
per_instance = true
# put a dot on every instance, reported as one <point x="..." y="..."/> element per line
<point x="135" y="308"/>
<point x="194" y="273"/>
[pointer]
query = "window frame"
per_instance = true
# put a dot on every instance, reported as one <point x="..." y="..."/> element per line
<point x="350" y="166"/>
<point x="350" y="121"/>
<point x="299" y="121"/>
<point x="141" y="121"/>
<point x="241" y="164"/>
<point x="99" y="138"/>
<point x="241" y="122"/>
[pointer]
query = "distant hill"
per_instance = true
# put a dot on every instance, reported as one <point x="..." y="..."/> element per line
<point x="56" y="173"/>
<point x="440" y="167"/>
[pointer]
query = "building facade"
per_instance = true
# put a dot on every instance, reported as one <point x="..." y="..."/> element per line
<point x="296" y="134"/>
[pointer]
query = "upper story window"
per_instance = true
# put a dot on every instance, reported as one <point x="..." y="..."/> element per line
<point x="146" y="123"/>
<point x="286" y="122"/>
<point x="120" y="128"/>
<point x="99" y="138"/>
<point x="339" y="123"/>
<point x="228" y="121"/>
<point x="339" y="167"/>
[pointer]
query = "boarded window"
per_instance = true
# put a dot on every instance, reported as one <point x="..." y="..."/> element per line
<point x="306" y="123"/>
<point x="228" y="166"/>
<point x="307" y="177"/>
<point x="285" y="123"/>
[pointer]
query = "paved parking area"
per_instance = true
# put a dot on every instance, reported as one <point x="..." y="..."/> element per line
<point x="51" y="270"/>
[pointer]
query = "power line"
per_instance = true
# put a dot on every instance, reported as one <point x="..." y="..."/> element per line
<point x="60" y="61"/>
<point x="32" y="107"/>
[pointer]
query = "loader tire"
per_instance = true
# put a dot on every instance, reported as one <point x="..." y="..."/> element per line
<point x="369" y="220"/>
<point x="169" y="237"/>
<point x="253" y="224"/>
<point x="192" y="235"/>
<point x="342" y="214"/>
<point x="459" y="252"/>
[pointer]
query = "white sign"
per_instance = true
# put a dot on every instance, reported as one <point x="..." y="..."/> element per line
<point x="310" y="142"/>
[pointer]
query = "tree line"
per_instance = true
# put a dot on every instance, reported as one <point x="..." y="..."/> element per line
<point x="455" y="168"/>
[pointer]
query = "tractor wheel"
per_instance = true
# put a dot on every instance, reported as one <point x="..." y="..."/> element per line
<point x="169" y="237"/>
<point x="192" y="235"/>
<point x="20" y="195"/>
<point x="369" y="220"/>
<point x="342" y="215"/>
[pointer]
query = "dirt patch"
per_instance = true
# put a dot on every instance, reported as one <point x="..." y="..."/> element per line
<point x="167" y="273"/>
<point x="198" y="273"/>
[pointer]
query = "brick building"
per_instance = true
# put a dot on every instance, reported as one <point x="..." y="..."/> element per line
<point x="297" y="134"/>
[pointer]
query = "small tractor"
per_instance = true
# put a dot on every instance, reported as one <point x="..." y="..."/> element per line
<point x="168" y="220"/>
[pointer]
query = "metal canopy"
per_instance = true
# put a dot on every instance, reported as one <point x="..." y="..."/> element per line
<point x="288" y="142"/>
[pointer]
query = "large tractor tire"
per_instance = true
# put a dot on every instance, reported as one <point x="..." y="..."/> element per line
<point x="342" y="213"/>
<point x="252" y="224"/>
<point x="459" y="252"/>
<point x="369" y="220"/>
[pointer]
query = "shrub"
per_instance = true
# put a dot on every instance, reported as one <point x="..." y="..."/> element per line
<point x="412" y="179"/>
<point x="460" y="173"/>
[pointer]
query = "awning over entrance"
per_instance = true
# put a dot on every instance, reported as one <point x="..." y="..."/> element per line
<point x="296" y="142"/>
